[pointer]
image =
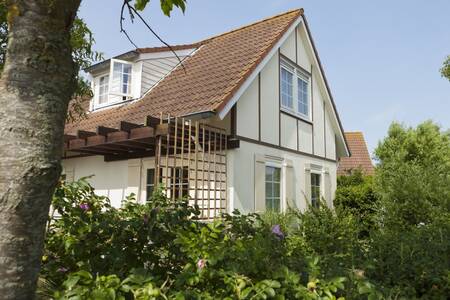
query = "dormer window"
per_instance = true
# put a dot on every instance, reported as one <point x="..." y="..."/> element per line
<point x="121" y="79"/>
<point x="114" y="86"/>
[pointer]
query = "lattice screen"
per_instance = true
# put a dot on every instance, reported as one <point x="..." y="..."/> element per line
<point x="191" y="162"/>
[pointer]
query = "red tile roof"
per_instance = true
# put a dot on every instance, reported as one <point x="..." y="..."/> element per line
<point x="208" y="80"/>
<point x="359" y="158"/>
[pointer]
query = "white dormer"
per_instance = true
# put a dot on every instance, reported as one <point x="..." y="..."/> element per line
<point x="131" y="75"/>
<point x="120" y="81"/>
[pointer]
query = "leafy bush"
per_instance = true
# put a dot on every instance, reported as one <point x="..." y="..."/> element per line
<point x="410" y="250"/>
<point x="387" y="239"/>
<point x="355" y="195"/>
<point x="159" y="250"/>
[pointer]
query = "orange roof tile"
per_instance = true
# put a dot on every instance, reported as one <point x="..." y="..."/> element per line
<point x="208" y="80"/>
<point x="359" y="158"/>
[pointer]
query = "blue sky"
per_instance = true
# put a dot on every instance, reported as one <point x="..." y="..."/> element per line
<point x="382" y="58"/>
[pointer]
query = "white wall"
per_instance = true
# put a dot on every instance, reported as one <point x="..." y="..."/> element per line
<point x="241" y="174"/>
<point x="247" y="112"/>
<point x="110" y="178"/>
<point x="269" y="102"/>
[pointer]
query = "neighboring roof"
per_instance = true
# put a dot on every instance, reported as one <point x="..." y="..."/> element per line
<point x="209" y="77"/>
<point x="359" y="158"/>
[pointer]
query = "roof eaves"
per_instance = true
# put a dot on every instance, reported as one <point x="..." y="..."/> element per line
<point x="126" y="55"/>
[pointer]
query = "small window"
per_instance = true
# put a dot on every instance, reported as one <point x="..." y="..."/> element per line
<point x="287" y="89"/>
<point x="150" y="185"/>
<point x="103" y="89"/>
<point x="294" y="84"/>
<point x="315" y="189"/>
<point x="273" y="180"/>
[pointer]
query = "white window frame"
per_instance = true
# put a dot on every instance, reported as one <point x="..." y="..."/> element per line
<point x="111" y="78"/>
<point x="297" y="74"/>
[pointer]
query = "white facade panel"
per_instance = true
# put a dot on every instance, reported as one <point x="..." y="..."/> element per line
<point x="305" y="136"/>
<point x="153" y="70"/>
<point x="303" y="55"/>
<point x="318" y="120"/>
<point x="270" y="102"/>
<point x="288" y="132"/>
<point x="330" y="138"/>
<point x="247" y="112"/>
<point x="288" y="47"/>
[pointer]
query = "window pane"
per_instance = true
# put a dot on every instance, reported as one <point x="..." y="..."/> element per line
<point x="269" y="173"/>
<point x="121" y="78"/>
<point x="150" y="176"/>
<point x="269" y="190"/>
<point x="315" y="189"/>
<point x="303" y="103"/>
<point x="273" y="176"/>
<point x="103" y="89"/>
<point x="276" y="190"/>
<point x="150" y="187"/>
<point x="286" y="89"/>
<point x="276" y="204"/>
<point x="276" y="174"/>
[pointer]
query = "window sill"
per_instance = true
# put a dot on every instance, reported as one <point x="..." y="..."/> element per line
<point x="296" y="115"/>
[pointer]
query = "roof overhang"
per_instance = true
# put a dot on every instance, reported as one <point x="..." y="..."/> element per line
<point x="103" y="64"/>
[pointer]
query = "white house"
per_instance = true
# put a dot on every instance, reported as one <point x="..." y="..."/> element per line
<point x="246" y="121"/>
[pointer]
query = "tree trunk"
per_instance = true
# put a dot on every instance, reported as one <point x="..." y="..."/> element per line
<point x="35" y="88"/>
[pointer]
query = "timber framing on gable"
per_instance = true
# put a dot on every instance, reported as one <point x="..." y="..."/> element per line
<point x="294" y="28"/>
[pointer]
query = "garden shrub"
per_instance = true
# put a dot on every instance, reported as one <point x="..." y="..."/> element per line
<point x="388" y="238"/>
<point x="159" y="250"/>
<point x="355" y="195"/>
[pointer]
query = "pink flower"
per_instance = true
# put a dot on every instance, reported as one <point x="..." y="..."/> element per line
<point x="84" y="206"/>
<point x="62" y="270"/>
<point x="201" y="263"/>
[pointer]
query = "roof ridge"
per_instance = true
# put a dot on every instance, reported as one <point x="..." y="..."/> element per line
<point x="207" y="40"/>
<point x="298" y="10"/>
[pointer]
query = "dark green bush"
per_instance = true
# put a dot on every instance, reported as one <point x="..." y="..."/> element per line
<point x="159" y="250"/>
<point x="388" y="238"/>
<point x="355" y="195"/>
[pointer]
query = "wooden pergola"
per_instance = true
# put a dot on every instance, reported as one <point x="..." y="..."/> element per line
<point x="190" y="156"/>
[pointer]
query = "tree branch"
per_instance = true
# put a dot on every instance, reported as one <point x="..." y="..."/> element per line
<point x="132" y="13"/>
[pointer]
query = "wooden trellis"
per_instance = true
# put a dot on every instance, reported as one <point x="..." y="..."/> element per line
<point x="190" y="160"/>
<point x="190" y="156"/>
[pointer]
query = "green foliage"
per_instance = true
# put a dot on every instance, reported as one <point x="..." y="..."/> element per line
<point x="166" y="5"/>
<point x="355" y="194"/>
<point x="83" y="54"/>
<point x="386" y="239"/>
<point x="445" y="70"/>
<point x="413" y="176"/>
<point x="410" y="250"/>
<point x="159" y="250"/>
